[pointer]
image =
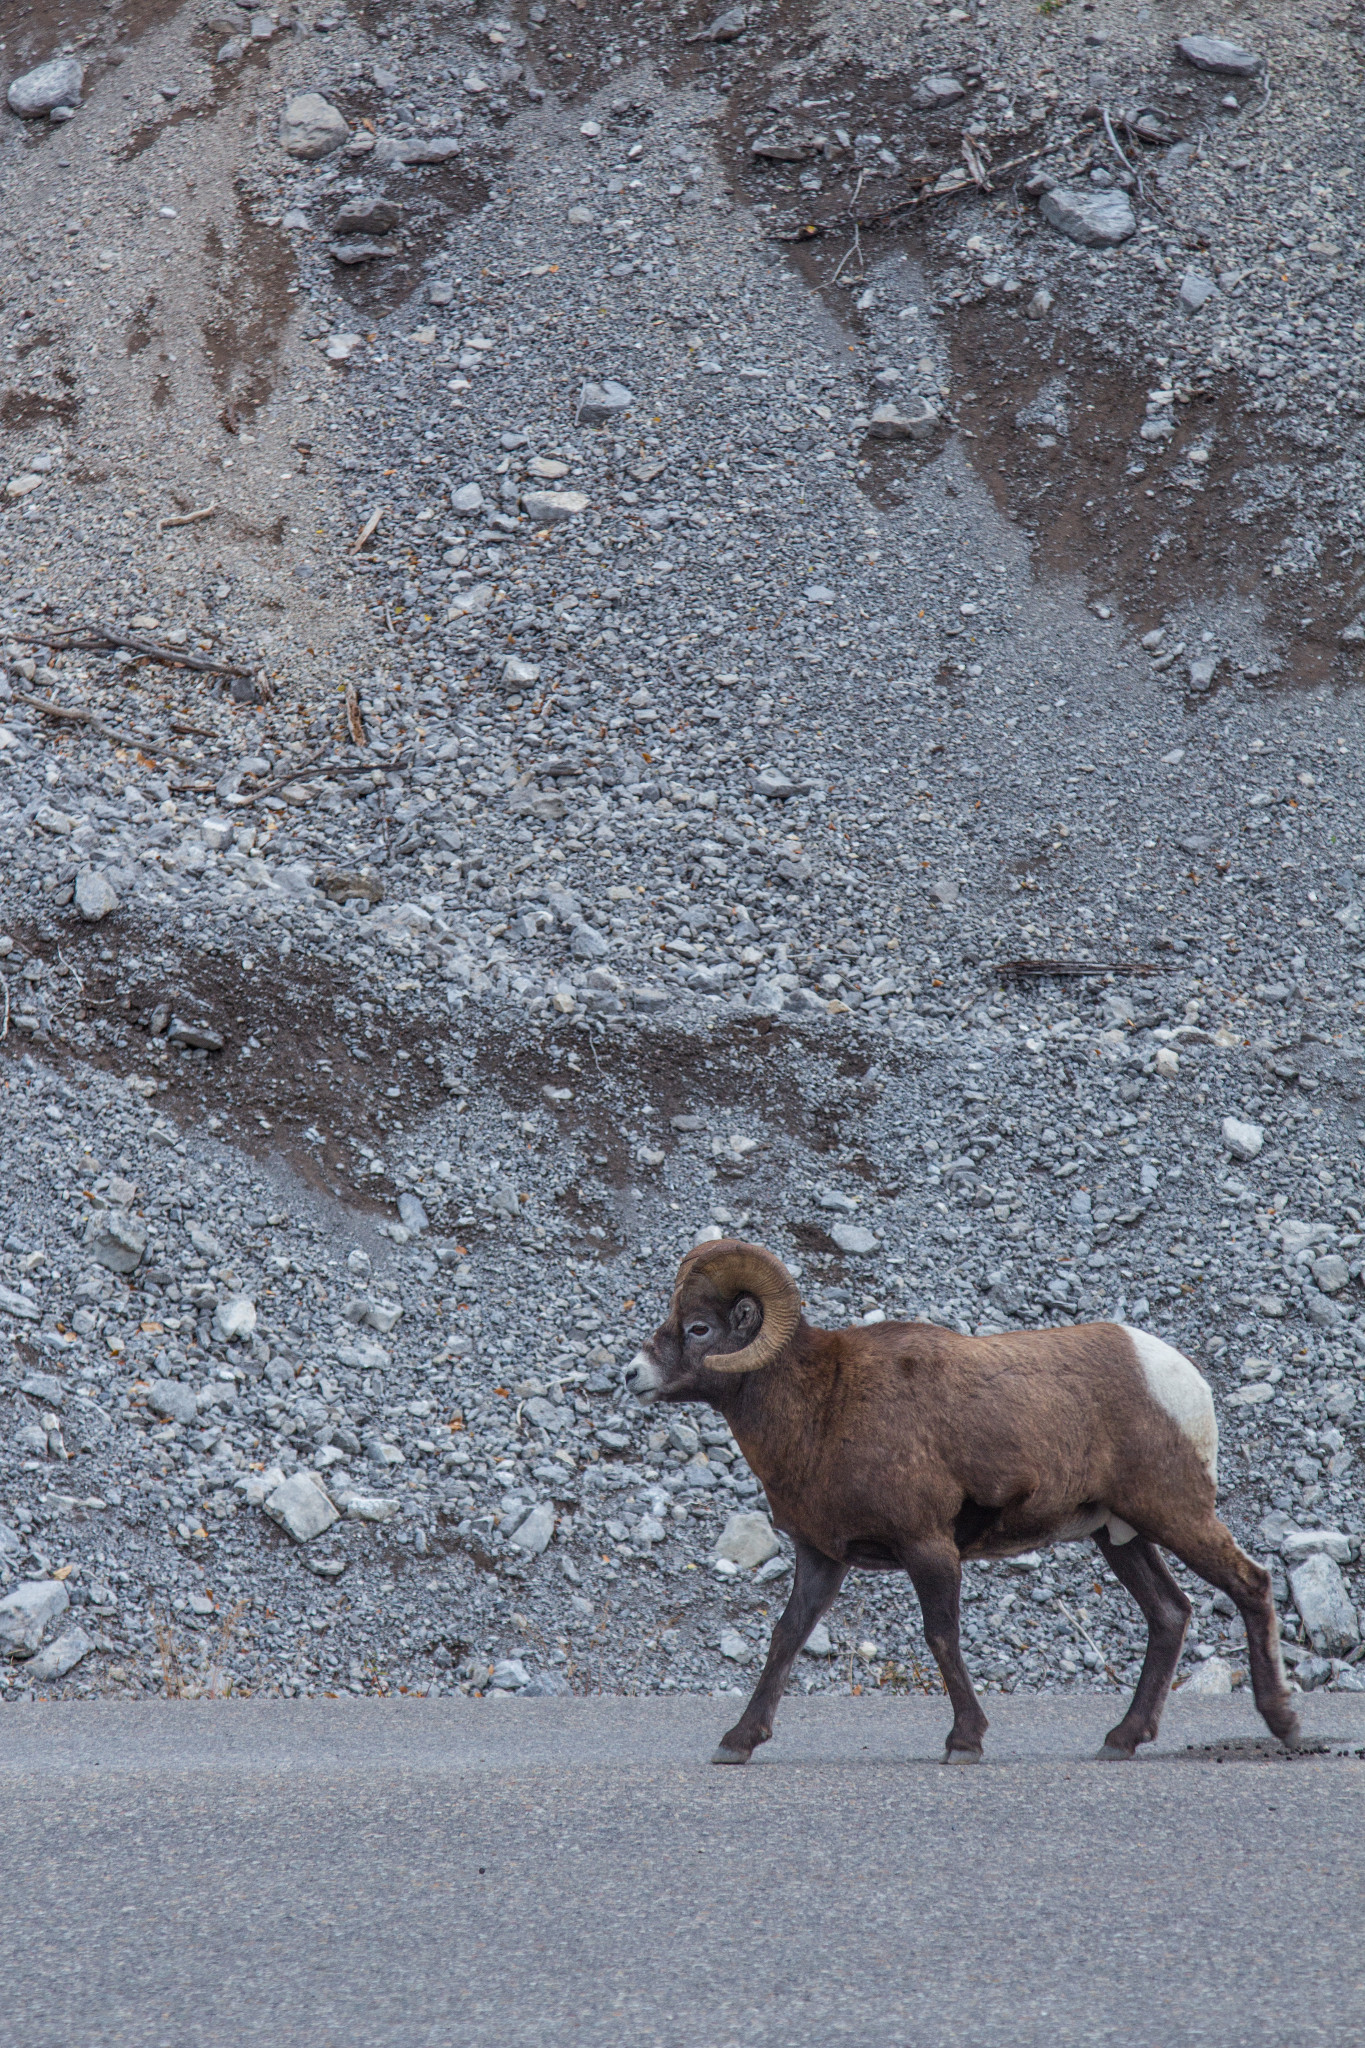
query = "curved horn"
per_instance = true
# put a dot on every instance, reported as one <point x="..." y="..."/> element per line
<point x="733" y="1267"/>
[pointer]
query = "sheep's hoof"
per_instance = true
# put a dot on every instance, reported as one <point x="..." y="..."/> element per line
<point x="1114" y="1753"/>
<point x="962" y="1756"/>
<point x="730" y="1756"/>
<point x="1292" y="1736"/>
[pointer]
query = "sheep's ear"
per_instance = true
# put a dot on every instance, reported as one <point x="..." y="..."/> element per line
<point x="746" y="1316"/>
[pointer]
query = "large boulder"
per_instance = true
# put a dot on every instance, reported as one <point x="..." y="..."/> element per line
<point x="311" y="127"/>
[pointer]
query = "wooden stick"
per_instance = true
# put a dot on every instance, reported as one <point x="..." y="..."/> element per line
<point x="108" y="732"/>
<point x="186" y="518"/>
<point x="108" y="636"/>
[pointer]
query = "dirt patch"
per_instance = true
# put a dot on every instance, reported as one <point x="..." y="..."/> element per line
<point x="304" y="1075"/>
<point x="249" y="274"/>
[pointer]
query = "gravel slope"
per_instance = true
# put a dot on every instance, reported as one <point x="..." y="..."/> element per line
<point x="529" y="882"/>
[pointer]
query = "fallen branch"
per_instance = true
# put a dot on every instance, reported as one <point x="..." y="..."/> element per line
<point x="368" y="530"/>
<point x="1075" y="968"/>
<point x="926" y="188"/>
<point x="109" y="636"/>
<point x="143" y="741"/>
<point x="185" y="518"/>
<point x="280" y="782"/>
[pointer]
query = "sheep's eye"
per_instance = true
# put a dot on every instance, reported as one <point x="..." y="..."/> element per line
<point x="699" y="1329"/>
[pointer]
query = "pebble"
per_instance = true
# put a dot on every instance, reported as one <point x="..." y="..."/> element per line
<point x="747" y="1540"/>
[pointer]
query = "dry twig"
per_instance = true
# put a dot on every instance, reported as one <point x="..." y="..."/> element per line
<point x="71" y="714"/>
<point x="95" y="637"/>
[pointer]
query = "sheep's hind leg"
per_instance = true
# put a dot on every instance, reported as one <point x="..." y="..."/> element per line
<point x="818" y="1579"/>
<point x="1139" y="1566"/>
<point x="1212" y="1551"/>
<point x="936" y="1575"/>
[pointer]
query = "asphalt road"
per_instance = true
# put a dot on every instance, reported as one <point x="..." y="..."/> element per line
<point x="563" y="1872"/>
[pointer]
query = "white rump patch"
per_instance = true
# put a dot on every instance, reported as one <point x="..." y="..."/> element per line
<point x="1178" y="1387"/>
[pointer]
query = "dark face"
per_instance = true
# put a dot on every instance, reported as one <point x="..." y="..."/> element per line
<point x="672" y="1365"/>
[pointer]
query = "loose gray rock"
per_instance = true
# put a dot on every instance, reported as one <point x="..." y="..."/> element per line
<point x="1097" y="219"/>
<point x="747" y="1540"/>
<point x="360" y="251"/>
<point x="818" y="1643"/>
<point x="1210" y="1680"/>
<point x="368" y="217"/>
<point x="48" y="86"/>
<point x="411" y="1214"/>
<point x="173" y="1400"/>
<point x="12" y="1303"/>
<point x="598" y="403"/>
<point x="854" y="1239"/>
<point x="117" y="1240"/>
<point x="301" y="1508"/>
<point x="733" y="1647"/>
<point x="235" y="1318"/>
<point x="1196" y="290"/>
<point x="533" y="1533"/>
<point x="1325" y="1605"/>
<point x="939" y="89"/>
<point x="1243" y="1140"/>
<point x="554" y="508"/>
<point x="60" y="1656"/>
<point x="888" y="423"/>
<point x="25" y="1612"/>
<point x="1213" y="53"/>
<point x="311" y="127"/>
<point x="95" y="896"/>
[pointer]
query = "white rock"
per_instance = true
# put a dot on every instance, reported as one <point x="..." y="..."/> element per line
<point x="534" y="1533"/>
<point x="648" y="1530"/>
<point x="311" y="127"/>
<point x="26" y="1611"/>
<point x="1096" y="218"/>
<point x="1168" y="1063"/>
<point x="95" y="896"/>
<point x="301" y="1508"/>
<point x="817" y="1643"/>
<point x="510" y="1674"/>
<point x="367" y="1507"/>
<point x="748" y="1539"/>
<point x="1040" y="305"/>
<point x="116" y="1240"/>
<point x="518" y="672"/>
<point x="1331" y="1273"/>
<point x="60" y="1656"/>
<point x="1244" y="1141"/>
<point x="1325" y="1605"/>
<point x="1297" y="1544"/>
<point x="20" y="486"/>
<point x="235" y="1318"/>
<point x="54" y="84"/>
<point x="341" y="347"/>
<point x="554" y="508"/>
<point x="468" y="498"/>
<point x="733" y="1646"/>
<point x="854" y="1239"/>
<point x="1209" y="1680"/>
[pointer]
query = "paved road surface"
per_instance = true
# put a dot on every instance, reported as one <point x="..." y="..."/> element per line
<point x="573" y="1872"/>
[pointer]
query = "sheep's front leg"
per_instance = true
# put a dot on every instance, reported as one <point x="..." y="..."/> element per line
<point x="936" y="1574"/>
<point x="817" y="1581"/>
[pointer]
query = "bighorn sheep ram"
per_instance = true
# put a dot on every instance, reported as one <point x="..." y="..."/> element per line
<point x="902" y="1446"/>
